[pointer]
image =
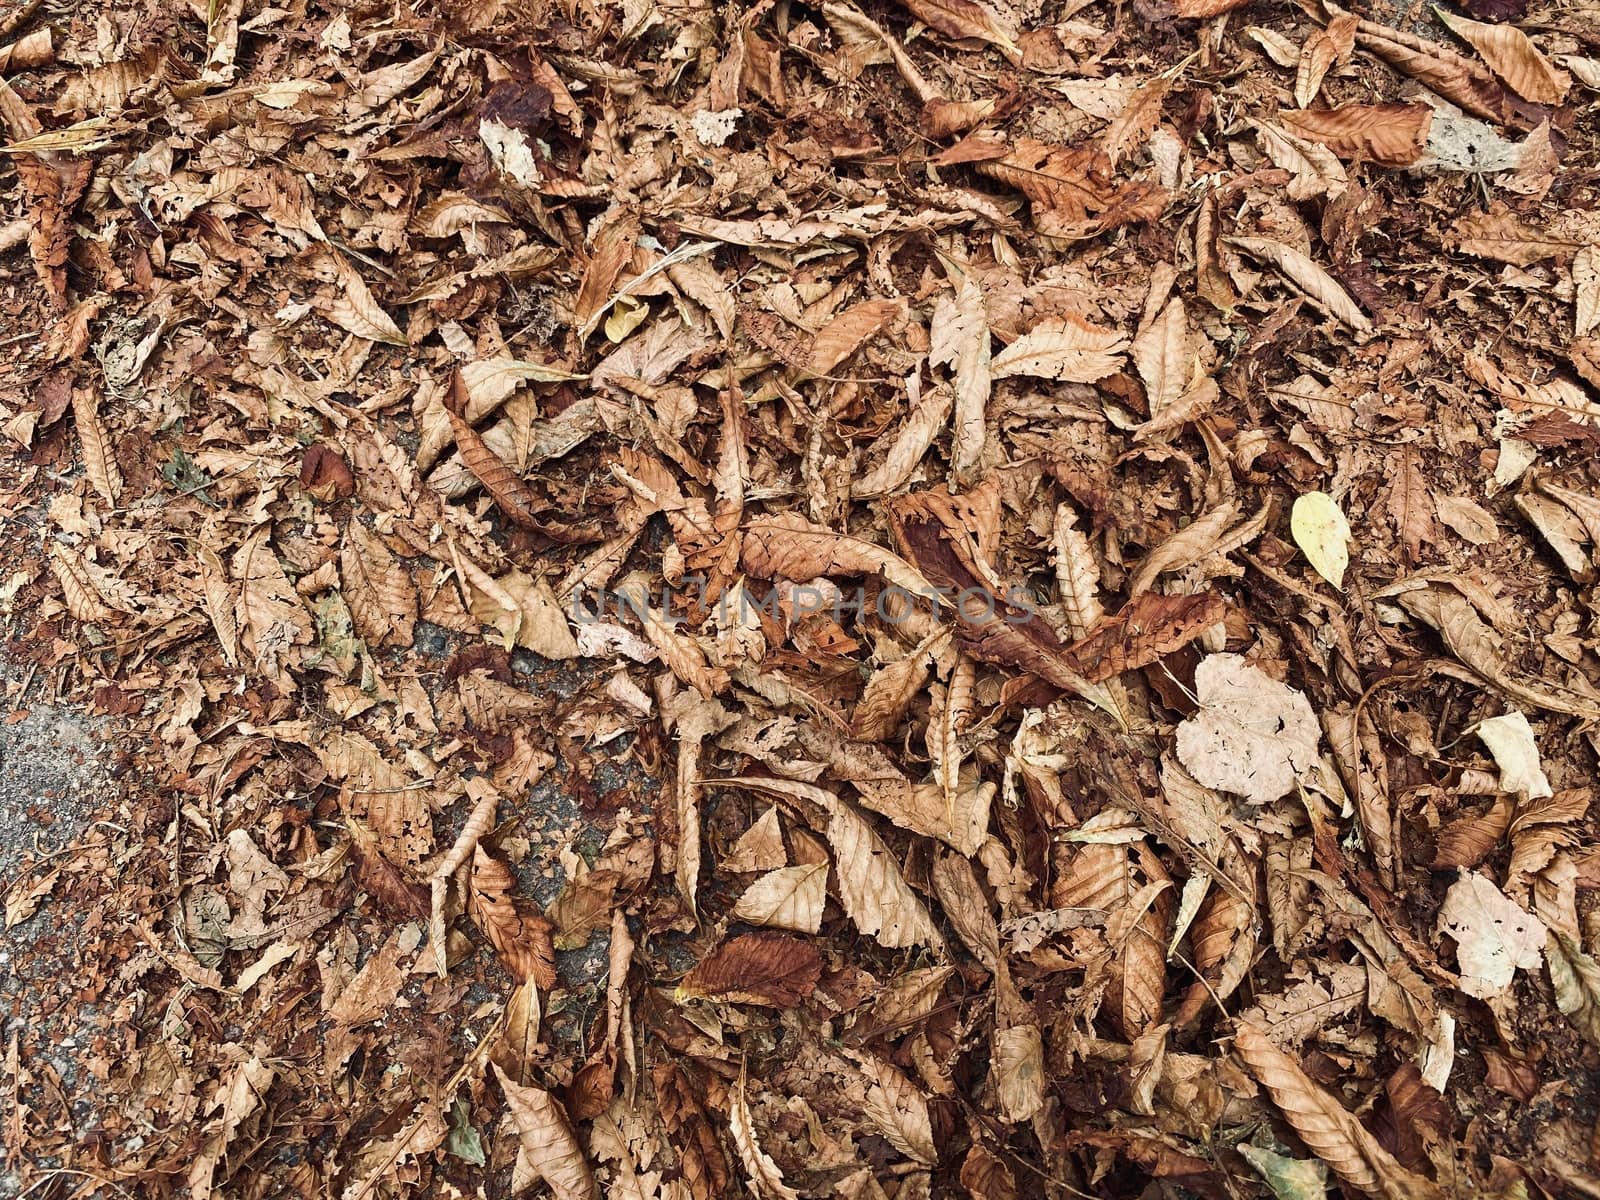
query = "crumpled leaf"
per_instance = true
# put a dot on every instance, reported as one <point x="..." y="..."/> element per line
<point x="1510" y="740"/>
<point x="1253" y="735"/>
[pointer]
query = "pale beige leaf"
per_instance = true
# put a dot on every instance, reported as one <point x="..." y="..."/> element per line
<point x="1322" y="532"/>
<point x="759" y="848"/>
<point x="1319" y="287"/>
<point x="874" y="892"/>
<point x="1513" y="57"/>
<point x="1077" y="573"/>
<point x="1279" y="48"/>
<point x="1494" y="935"/>
<point x="766" y="1180"/>
<point x="1472" y="521"/>
<point x="1510" y="740"/>
<point x="960" y="339"/>
<point x="694" y="718"/>
<point x="787" y="898"/>
<point x="1067" y="348"/>
<point x="1585" y="70"/>
<point x="99" y="462"/>
<point x="1331" y="1132"/>
<point x="548" y="1144"/>
<point x="350" y="305"/>
<point x="959" y="818"/>
<point x="1253" y="735"/>
<point x="1586" y="289"/>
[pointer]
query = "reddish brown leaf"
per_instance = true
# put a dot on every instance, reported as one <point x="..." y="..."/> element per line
<point x="325" y="474"/>
<point x="522" y="939"/>
<point x="1389" y="134"/>
<point x="757" y="968"/>
<point x="1151" y="627"/>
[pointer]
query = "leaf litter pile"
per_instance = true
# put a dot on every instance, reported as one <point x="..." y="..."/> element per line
<point x="957" y="598"/>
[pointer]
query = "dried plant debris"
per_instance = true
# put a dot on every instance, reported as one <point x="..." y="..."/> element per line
<point x="930" y="598"/>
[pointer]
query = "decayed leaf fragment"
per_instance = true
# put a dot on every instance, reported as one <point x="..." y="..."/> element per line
<point x="1319" y="287"/>
<point x="1253" y="735"/>
<point x="1071" y="189"/>
<point x="1494" y="935"/>
<point x="1325" y="1125"/>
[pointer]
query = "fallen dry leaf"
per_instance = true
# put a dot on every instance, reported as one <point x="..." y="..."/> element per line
<point x="1253" y="735"/>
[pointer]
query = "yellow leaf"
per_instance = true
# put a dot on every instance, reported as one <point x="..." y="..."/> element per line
<point x="626" y="316"/>
<point x="1323" y="535"/>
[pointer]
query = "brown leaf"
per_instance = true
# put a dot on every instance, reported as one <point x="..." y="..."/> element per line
<point x="1072" y="191"/>
<point x="99" y="463"/>
<point x="1322" y="50"/>
<point x="967" y="19"/>
<point x="393" y="888"/>
<point x="511" y="494"/>
<point x="521" y="939"/>
<point x="56" y="188"/>
<point x="1148" y="629"/>
<point x="549" y="1150"/>
<point x="1200" y="10"/>
<point x="1332" y="1133"/>
<point x="1512" y="57"/>
<point x="1458" y="79"/>
<point x="1391" y="135"/>
<point x="1410" y="504"/>
<point x="379" y="591"/>
<point x="325" y="474"/>
<point x="766" y="1180"/>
